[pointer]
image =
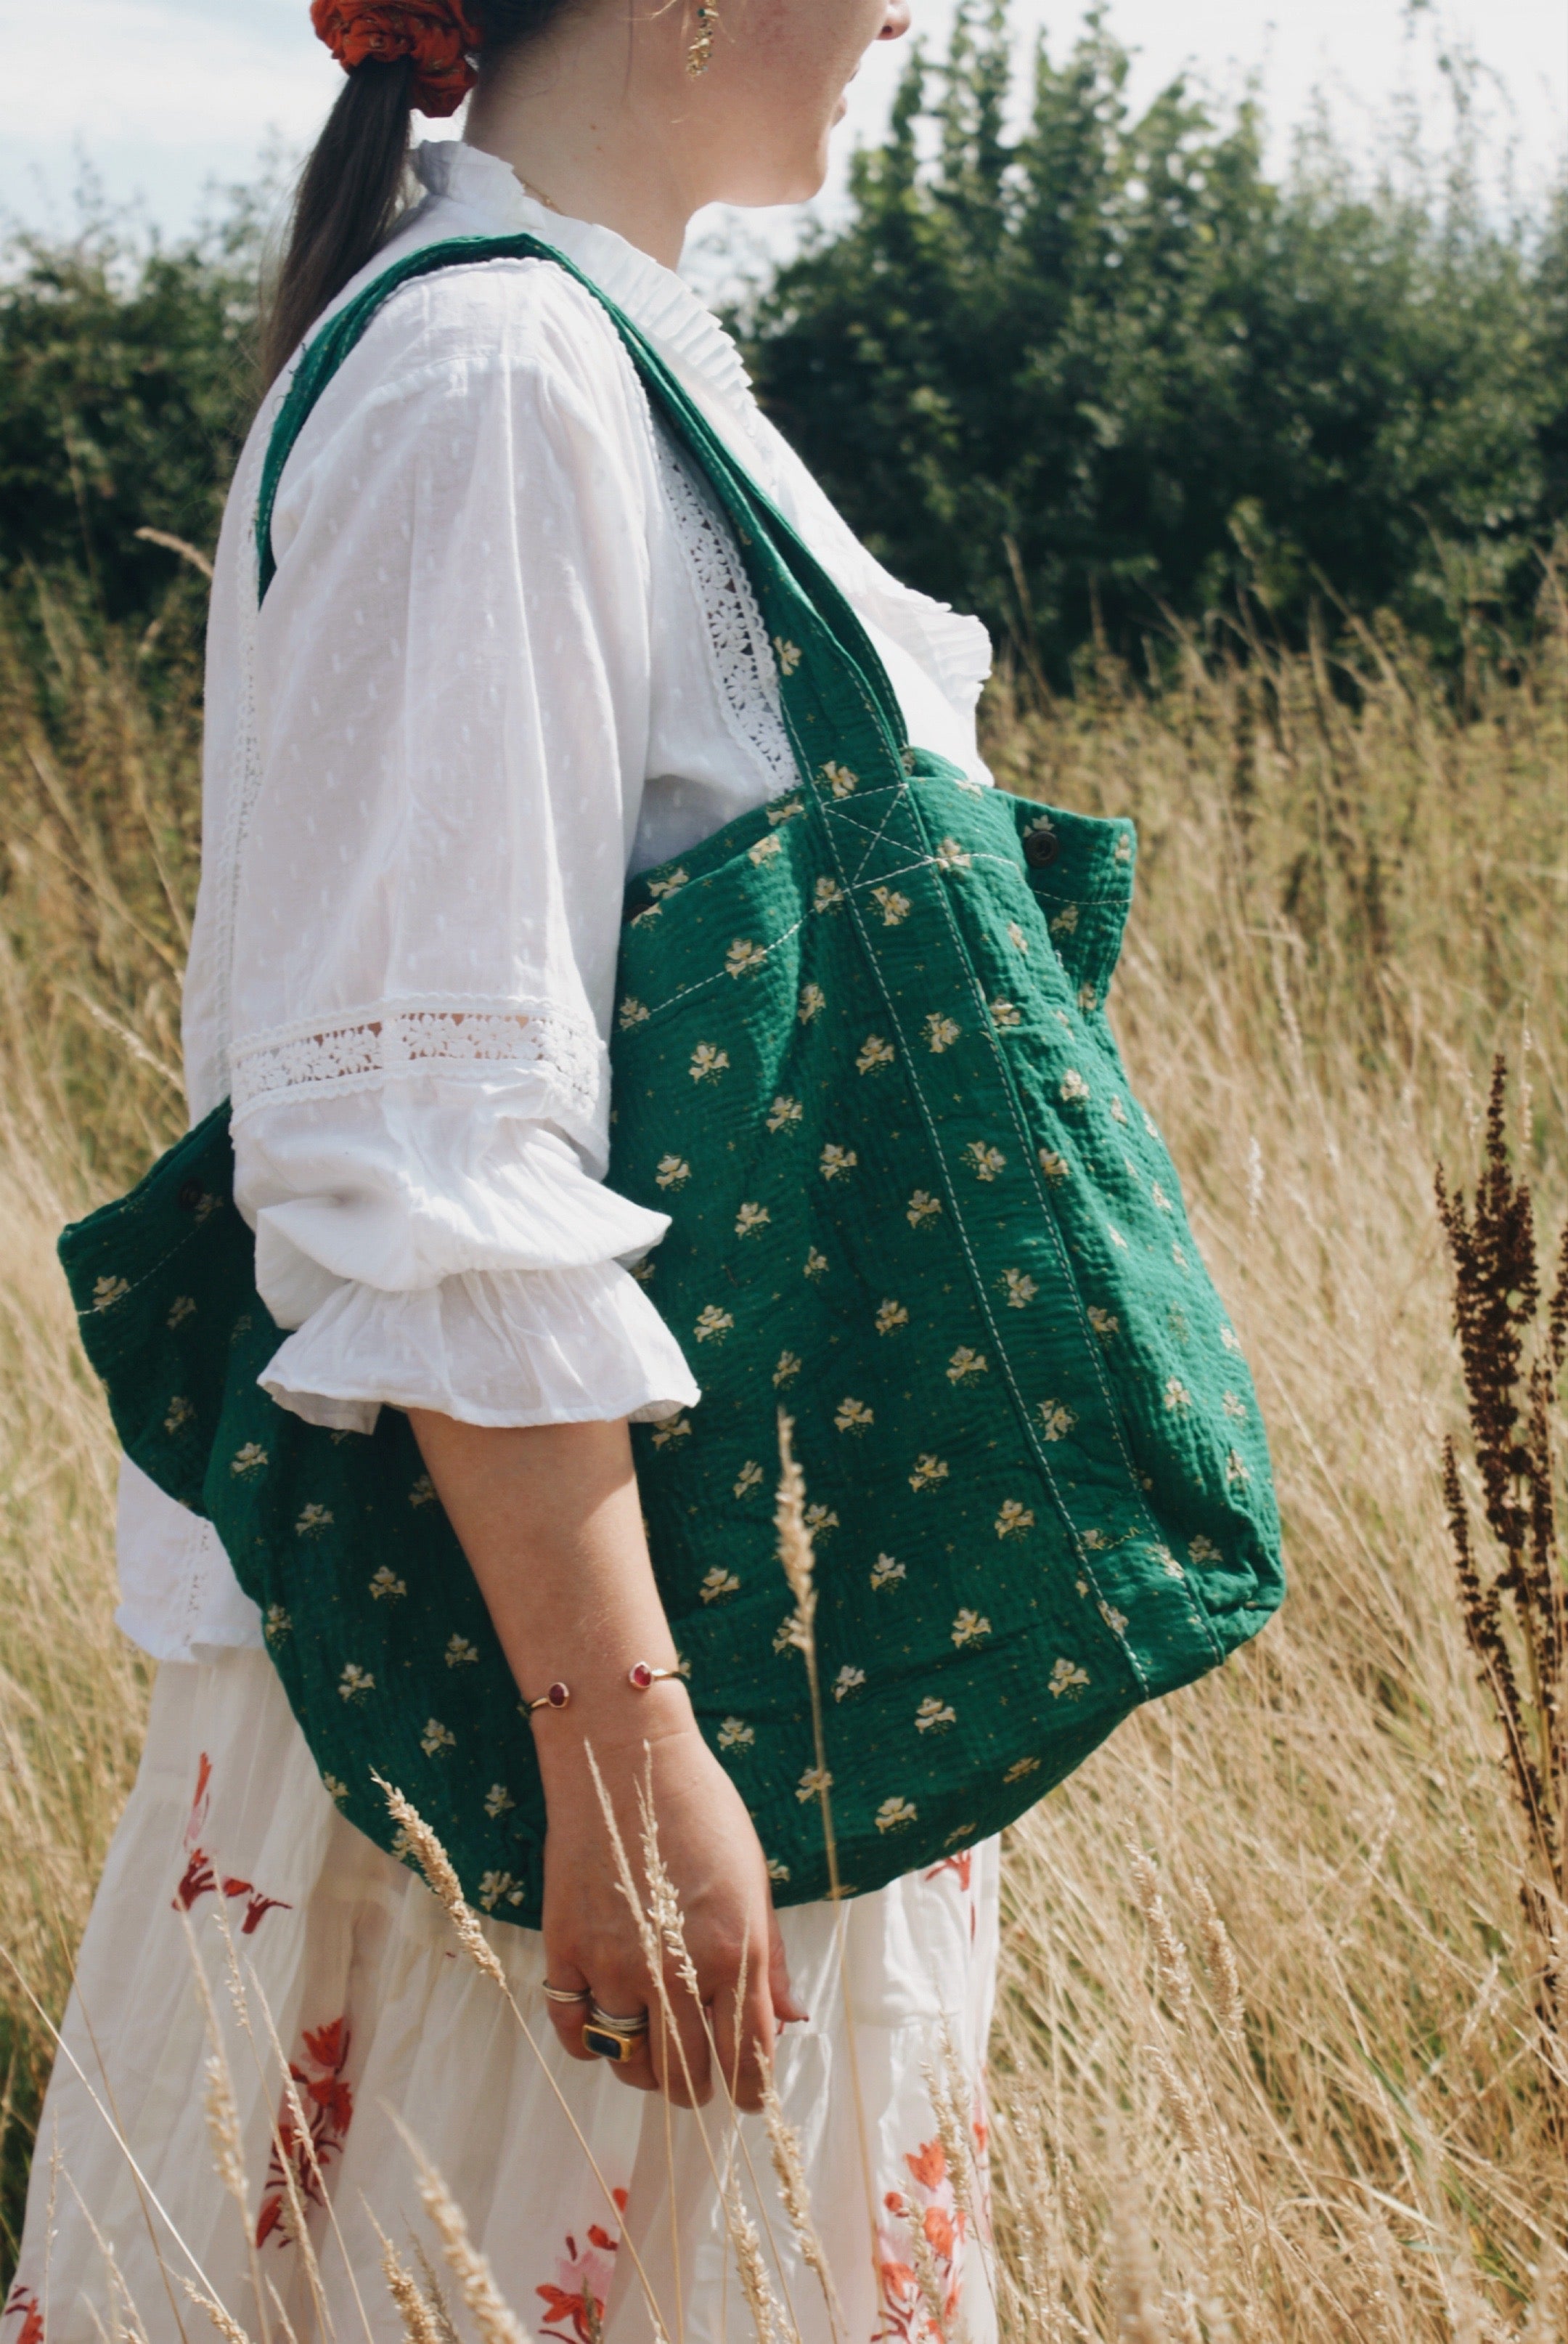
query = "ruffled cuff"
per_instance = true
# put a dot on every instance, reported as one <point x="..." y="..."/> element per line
<point x="578" y="1345"/>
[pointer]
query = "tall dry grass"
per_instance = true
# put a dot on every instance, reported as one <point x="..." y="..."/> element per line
<point x="1266" y="2063"/>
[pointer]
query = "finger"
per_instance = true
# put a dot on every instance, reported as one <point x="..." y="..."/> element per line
<point x="744" y="2032"/>
<point x="786" y="2008"/>
<point x="679" y="2040"/>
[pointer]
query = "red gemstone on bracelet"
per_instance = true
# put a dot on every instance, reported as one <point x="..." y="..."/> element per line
<point x="558" y="1696"/>
<point x="640" y="1675"/>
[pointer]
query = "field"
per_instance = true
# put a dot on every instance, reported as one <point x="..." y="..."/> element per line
<point x="1270" y="2062"/>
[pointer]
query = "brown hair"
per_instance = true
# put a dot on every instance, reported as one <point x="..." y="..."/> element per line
<point x="351" y="187"/>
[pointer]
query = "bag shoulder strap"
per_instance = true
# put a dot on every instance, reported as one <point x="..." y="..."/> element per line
<point x="765" y="537"/>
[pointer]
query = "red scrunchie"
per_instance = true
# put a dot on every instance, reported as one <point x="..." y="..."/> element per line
<point x="436" y="34"/>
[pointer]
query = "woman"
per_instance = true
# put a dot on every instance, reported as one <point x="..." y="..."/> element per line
<point x="510" y="657"/>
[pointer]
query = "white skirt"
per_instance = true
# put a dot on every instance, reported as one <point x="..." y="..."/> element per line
<point x="385" y="2023"/>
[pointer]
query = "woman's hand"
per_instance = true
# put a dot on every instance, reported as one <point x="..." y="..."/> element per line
<point x="548" y="1518"/>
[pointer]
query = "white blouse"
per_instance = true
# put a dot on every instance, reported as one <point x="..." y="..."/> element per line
<point x="508" y="658"/>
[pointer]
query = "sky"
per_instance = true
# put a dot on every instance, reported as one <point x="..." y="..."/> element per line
<point x="161" y="99"/>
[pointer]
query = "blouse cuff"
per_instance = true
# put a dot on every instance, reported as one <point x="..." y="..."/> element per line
<point x="575" y="1346"/>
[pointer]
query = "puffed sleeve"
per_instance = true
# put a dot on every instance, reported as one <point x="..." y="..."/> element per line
<point x="452" y="683"/>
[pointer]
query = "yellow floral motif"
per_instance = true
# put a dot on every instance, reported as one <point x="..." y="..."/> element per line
<point x="922" y="1207"/>
<point x="496" y="1886"/>
<point x="886" y="1573"/>
<point x="734" y="1734"/>
<point x="107" y="1291"/>
<point x="1232" y="1341"/>
<point x="934" y="1715"/>
<point x="1149" y="1125"/>
<point x="436" y="1737"/>
<point x="1234" y="1407"/>
<point x="354" y="1683"/>
<point x="784" y="1113"/>
<point x="764" y="849"/>
<point x="1066" y="921"/>
<point x="1020" y="1289"/>
<point x="1067" y="1677"/>
<point x="891" y="1315"/>
<point x="1005" y="1014"/>
<point x="247" y="1461"/>
<point x="182" y="1308"/>
<point x="1118" y="1111"/>
<point x="970" y="1627"/>
<point x="1160" y="1199"/>
<point x="1203" y="1549"/>
<point x="1177" y="1394"/>
<point x="312" y="1520"/>
<point x="893" y="907"/>
<point x="708" y="1063"/>
<point x="1176" y="1318"/>
<point x="813" y="1783"/>
<point x="813" y="1001"/>
<point x="834" y="1159"/>
<point x="1114" y="1234"/>
<point x="460" y="1653"/>
<point x="1178" y="1254"/>
<point x="675" y="1428"/>
<point x="951" y="856"/>
<point x="787" y="1371"/>
<point x="848" y="1680"/>
<point x="816" y="1263"/>
<point x="1096" y="1542"/>
<point x="984" y="1161"/>
<point x="841" y="780"/>
<point x="1057" y="1418"/>
<point x="785" y="1636"/>
<point x="874" y="1052"/>
<point x="278" y="1624"/>
<point x="1087" y="999"/>
<point x="718" y="1584"/>
<point x="1168" y="1562"/>
<point x="749" y="1217"/>
<point x="1020" y="1768"/>
<point x="499" y="1801"/>
<point x="712" y="1324"/>
<point x="788" y="655"/>
<point x="965" y="1365"/>
<point x="776" y="1871"/>
<point x="423" y="1493"/>
<point x="1017" y="937"/>
<point x="827" y="896"/>
<point x="180" y="1412"/>
<point x="1105" y="1323"/>
<point x="853" y="1415"/>
<point x="334" y="1788"/>
<point x="929" y="1471"/>
<point x="787" y="812"/>
<point x="743" y="955"/>
<point x="940" y="1033"/>
<point x="1235" y="1468"/>
<point x="1114" y="1619"/>
<point x="751" y="1477"/>
<point x="659" y="888"/>
<point x="894" y="1814"/>
<point x="821" y="1519"/>
<point x="1073" y="1086"/>
<point x="1055" y="1168"/>
<point x="644" y="1272"/>
<point x="649" y="913"/>
<point x="673" y="1172"/>
<point x="1014" y="1519"/>
<point x="1062" y="1019"/>
<point x="1124" y="849"/>
<point x="631" y="1013"/>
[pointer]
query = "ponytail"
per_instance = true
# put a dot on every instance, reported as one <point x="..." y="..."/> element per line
<point x="348" y="195"/>
<point x="398" y="55"/>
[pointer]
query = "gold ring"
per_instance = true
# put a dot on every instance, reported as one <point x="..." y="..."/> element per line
<point x="609" y="2037"/>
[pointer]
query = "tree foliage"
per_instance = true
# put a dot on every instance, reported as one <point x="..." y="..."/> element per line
<point x="1109" y="364"/>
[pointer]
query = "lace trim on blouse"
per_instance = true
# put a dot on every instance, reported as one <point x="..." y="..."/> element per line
<point x="742" y="654"/>
<point x="327" y="1061"/>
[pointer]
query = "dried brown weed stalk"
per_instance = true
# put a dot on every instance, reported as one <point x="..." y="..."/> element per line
<point x="1515" y="1616"/>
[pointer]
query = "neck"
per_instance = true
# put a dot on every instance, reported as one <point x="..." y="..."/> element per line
<point x="589" y="117"/>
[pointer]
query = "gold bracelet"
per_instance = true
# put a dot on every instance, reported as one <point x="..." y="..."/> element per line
<point x="639" y="1676"/>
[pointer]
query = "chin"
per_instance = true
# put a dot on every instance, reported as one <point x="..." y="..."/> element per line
<point x="795" y="182"/>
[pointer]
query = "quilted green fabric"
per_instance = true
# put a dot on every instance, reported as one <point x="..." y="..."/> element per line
<point x="862" y="1060"/>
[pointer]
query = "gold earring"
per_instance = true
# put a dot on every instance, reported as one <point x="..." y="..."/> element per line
<point x="700" y="56"/>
